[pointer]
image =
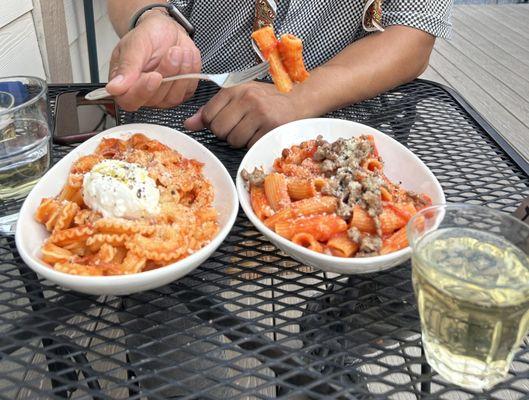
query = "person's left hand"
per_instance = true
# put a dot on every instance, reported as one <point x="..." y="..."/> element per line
<point x="243" y="114"/>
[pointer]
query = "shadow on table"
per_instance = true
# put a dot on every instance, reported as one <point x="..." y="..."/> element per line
<point x="342" y="332"/>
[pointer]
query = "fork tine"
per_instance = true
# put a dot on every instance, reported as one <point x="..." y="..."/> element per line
<point x="239" y="77"/>
<point x="259" y="66"/>
<point x="262" y="67"/>
<point x="257" y="69"/>
<point x="246" y="74"/>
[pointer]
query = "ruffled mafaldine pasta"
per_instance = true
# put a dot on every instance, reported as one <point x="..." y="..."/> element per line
<point x="132" y="206"/>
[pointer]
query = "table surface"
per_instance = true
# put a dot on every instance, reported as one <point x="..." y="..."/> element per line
<point x="251" y="322"/>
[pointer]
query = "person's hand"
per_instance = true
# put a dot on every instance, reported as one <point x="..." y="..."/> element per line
<point x="243" y="114"/>
<point x="156" y="48"/>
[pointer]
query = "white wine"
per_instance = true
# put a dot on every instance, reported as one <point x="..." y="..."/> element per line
<point x="471" y="293"/>
<point x="23" y="158"/>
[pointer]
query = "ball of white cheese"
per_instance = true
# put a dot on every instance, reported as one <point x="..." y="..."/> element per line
<point x="120" y="189"/>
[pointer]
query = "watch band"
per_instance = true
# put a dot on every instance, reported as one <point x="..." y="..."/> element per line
<point x="173" y="12"/>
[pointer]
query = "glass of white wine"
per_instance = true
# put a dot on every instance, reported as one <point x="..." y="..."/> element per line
<point x="471" y="282"/>
<point x="25" y="142"/>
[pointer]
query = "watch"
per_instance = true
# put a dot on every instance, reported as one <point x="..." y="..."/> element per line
<point x="172" y="11"/>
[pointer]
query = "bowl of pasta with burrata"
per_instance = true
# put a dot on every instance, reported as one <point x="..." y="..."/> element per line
<point x="131" y="209"/>
<point x="335" y="195"/>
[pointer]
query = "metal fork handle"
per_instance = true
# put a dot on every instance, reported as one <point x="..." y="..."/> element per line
<point x="102" y="93"/>
<point x="189" y="76"/>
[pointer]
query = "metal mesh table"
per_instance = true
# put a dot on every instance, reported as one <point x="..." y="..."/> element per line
<point x="251" y="322"/>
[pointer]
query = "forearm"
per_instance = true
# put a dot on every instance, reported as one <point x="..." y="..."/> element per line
<point x="121" y="12"/>
<point x="364" y="69"/>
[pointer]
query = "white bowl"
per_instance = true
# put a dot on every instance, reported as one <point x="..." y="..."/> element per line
<point x="30" y="234"/>
<point x="401" y="165"/>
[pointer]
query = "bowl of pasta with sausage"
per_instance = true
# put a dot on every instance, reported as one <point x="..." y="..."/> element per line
<point x="335" y="195"/>
<point x="131" y="209"/>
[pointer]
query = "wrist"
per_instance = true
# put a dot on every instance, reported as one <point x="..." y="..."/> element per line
<point x="160" y="13"/>
<point x="164" y="10"/>
<point x="302" y="103"/>
<point x="152" y="12"/>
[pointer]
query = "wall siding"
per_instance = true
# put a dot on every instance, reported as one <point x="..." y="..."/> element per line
<point x="19" y="48"/>
<point x="106" y="39"/>
<point x="14" y="9"/>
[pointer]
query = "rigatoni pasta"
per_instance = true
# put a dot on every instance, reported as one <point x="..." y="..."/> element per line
<point x="268" y="44"/>
<point x="301" y="188"/>
<point x="307" y="240"/>
<point x="334" y="198"/>
<point x="260" y="203"/>
<point x="285" y="57"/>
<point x="313" y="206"/>
<point x="291" y="51"/>
<point x="362" y="221"/>
<point x="322" y="227"/>
<point x="276" y="191"/>
<point x="341" y="245"/>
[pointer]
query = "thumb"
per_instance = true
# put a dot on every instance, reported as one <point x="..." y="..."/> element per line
<point x="195" y="123"/>
<point x="129" y="65"/>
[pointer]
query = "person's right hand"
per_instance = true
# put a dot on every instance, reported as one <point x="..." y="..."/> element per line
<point x="156" y="48"/>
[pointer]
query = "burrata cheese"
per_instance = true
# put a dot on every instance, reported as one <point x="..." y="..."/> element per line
<point x="120" y="189"/>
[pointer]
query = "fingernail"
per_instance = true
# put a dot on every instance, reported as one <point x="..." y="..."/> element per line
<point x="117" y="80"/>
<point x="191" y="120"/>
<point x="187" y="59"/>
<point x="176" y="57"/>
<point x="152" y="83"/>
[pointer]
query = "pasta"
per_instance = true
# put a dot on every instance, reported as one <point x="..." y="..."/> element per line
<point x="299" y="188"/>
<point x="260" y="203"/>
<point x="321" y="227"/>
<point x="396" y="241"/>
<point x="307" y="240"/>
<point x="267" y="42"/>
<point x="362" y="221"/>
<point x="313" y="206"/>
<point x="276" y="191"/>
<point x="83" y="241"/>
<point x="285" y="57"/>
<point x="291" y="50"/>
<point x="341" y="246"/>
<point x="334" y="198"/>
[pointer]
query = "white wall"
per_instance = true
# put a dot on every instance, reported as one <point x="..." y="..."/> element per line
<point x="105" y="35"/>
<point x="19" y="48"/>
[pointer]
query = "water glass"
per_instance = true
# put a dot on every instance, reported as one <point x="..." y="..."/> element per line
<point x="471" y="280"/>
<point x="25" y="141"/>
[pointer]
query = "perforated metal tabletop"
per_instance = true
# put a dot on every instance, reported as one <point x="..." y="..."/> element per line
<point x="251" y="322"/>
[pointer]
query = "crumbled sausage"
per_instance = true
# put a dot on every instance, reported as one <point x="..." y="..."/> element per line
<point x="355" y="235"/>
<point x="341" y="161"/>
<point x="344" y="210"/>
<point x="319" y="154"/>
<point x="370" y="245"/>
<point x="328" y="166"/>
<point x="255" y="178"/>
<point x="355" y="190"/>
<point x="351" y="184"/>
<point x="418" y="199"/>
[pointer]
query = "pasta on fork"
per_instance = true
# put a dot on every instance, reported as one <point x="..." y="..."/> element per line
<point x="334" y="198"/>
<point x="285" y="57"/>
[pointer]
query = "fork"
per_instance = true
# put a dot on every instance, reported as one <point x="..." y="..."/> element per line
<point x="226" y="80"/>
